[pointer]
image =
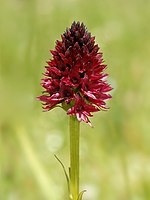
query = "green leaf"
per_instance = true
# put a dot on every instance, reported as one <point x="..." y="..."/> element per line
<point x="66" y="175"/>
<point x="81" y="195"/>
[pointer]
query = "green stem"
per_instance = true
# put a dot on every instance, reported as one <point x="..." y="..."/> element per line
<point x="74" y="157"/>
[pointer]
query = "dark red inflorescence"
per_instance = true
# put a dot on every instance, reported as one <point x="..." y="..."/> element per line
<point x="74" y="76"/>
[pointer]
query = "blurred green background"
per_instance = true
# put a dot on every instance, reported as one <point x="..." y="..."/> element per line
<point x="115" y="154"/>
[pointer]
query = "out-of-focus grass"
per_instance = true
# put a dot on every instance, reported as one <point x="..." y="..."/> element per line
<point x="115" y="154"/>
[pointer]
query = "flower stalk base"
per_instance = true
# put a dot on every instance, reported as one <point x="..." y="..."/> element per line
<point x="74" y="157"/>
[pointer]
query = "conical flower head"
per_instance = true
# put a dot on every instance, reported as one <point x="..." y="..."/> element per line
<point x="74" y="76"/>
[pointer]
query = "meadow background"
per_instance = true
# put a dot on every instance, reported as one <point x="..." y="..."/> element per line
<point x="115" y="154"/>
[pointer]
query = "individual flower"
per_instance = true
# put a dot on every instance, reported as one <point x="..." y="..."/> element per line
<point x="74" y="76"/>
